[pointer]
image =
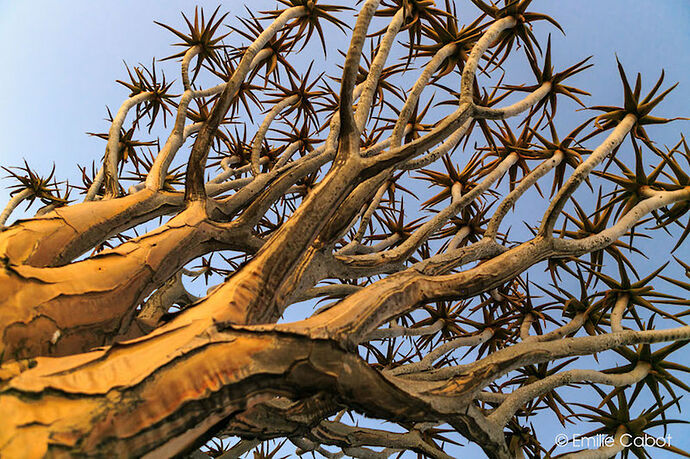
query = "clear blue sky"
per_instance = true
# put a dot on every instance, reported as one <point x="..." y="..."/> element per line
<point x="60" y="60"/>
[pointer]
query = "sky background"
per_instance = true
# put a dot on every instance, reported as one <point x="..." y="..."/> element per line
<point x="60" y="60"/>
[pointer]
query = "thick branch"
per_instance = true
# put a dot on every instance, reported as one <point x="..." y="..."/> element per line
<point x="67" y="232"/>
<point x="61" y="404"/>
<point x="75" y="307"/>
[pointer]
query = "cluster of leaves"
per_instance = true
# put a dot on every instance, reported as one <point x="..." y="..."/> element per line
<point x="45" y="189"/>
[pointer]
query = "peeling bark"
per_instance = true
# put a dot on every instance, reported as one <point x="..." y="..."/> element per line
<point x="65" y="233"/>
<point x="83" y="404"/>
<point x="73" y="308"/>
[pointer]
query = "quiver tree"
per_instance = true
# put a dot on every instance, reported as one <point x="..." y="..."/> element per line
<point x="298" y="188"/>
